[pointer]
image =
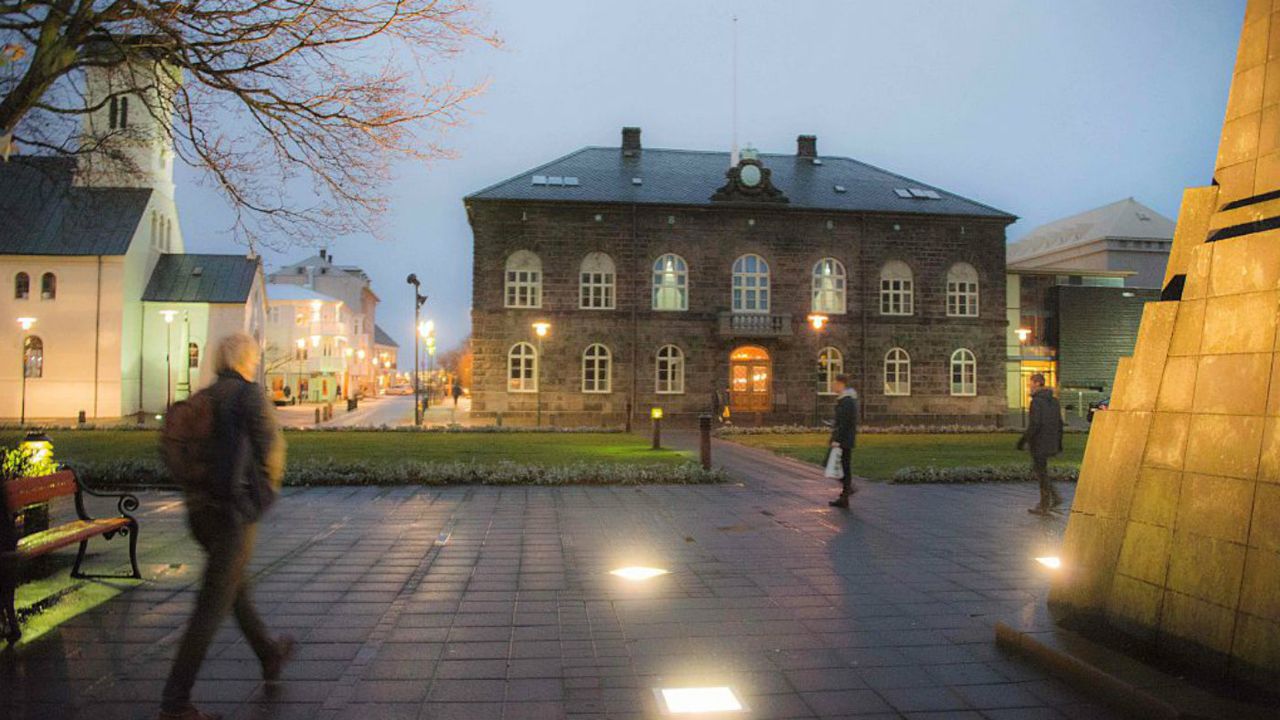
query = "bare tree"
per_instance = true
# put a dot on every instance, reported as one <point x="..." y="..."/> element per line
<point x="294" y="109"/>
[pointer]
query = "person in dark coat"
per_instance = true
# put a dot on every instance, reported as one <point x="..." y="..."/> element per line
<point x="844" y="435"/>
<point x="249" y="446"/>
<point x="457" y="392"/>
<point x="1043" y="438"/>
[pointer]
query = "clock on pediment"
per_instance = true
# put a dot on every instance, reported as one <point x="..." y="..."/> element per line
<point x="749" y="181"/>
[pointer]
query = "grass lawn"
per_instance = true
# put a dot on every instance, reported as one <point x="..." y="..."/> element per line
<point x="548" y="449"/>
<point x="878" y="456"/>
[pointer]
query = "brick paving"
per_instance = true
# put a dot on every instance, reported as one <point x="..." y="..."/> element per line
<point x="496" y="604"/>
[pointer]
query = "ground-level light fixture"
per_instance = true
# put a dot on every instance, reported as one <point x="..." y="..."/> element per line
<point x="541" y="328"/>
<point x="39" y="446"/>
<point x="1053" y="562"/>
<point x="656" y="413"/>
<point x="1024" y="334"/>
<point x="637" y="573"/>
<point x="818" y="320"/>
<point x="698" y="700"/>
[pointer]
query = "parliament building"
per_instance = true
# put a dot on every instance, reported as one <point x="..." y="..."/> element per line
<point x="615" y="280"/>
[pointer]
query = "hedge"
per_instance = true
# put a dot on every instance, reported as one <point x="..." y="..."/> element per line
<point x="980" y="474"/>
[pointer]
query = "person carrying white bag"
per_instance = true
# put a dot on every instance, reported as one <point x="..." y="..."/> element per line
<point x="844" y="435"/>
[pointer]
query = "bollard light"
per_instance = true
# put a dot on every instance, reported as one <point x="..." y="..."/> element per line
<point x="656" y="413"/>
<point x="39" y="445"/>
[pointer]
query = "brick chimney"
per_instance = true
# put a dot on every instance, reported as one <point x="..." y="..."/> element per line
<point x="807" y="146"/>
<point x="630" y="141"/>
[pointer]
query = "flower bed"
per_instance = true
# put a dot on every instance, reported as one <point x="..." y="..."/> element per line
<point x="977" y="474"/>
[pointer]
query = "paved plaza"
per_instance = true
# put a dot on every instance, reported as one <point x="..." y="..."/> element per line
<point x="497" y="603"/>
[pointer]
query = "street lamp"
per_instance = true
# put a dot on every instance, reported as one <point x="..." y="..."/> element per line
<point x="302" y="349"/>
<point x="540" y="330"/>
<point x="168" y="316"/>
<point x="1024" y="334"/>
<point x="818" y="322"/>
<point x="418" y="300"/>
<point x="427" y="331"/>
<point x="25" y="323"/>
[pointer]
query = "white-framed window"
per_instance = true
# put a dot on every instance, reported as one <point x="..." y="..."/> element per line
<point x="897" y="372"/>
<point x="118" y="113"/>
<point x="964" y="373"/>
<point x="32" y="356"/>
<point x="21" y="286"/>
<point x="670" y="283"/>
<point x="523" y="280"/>
<point x="596" y="369"/>
<point x="830" y="364"/>
<point x="829" y="287"/>
<point x="962" y="291"/>
<point x="522" y="368"/>
<point x="48" y="286"/>
<point x="669" y="379"/>
<point x="897" y="289"/>
<point x="750" y="284"/>
<point x="596" y="282"/>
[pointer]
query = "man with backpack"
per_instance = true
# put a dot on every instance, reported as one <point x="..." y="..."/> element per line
<point x="224" y="446"/>
<point x="1043" y="437"/>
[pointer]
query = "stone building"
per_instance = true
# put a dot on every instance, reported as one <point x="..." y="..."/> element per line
<point x="670" y="278"/>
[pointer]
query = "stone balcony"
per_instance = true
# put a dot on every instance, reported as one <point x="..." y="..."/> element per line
<point x="758" y="325"/>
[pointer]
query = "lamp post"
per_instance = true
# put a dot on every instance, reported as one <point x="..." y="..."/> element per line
<point x="540" y="330"/>
<point x="418" y="300"/>
<point x="25" y="323"/>
<point x="168" y="357"/>
<point x="1024" y="334"/>
<point x="818" y="321"/>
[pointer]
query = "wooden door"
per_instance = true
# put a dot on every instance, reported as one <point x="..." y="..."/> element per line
<point x="750" y="381"/>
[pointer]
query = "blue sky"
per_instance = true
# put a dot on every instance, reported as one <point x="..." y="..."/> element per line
<point x="1040" y="108"/>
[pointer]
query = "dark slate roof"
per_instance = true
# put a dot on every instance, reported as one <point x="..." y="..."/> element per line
<point x="202" y="278"/>
<point x="46" y="214"/>
<point x="689" y="177"/>
<point x="380" y="337"/>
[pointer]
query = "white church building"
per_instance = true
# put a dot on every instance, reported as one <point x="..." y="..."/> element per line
<point x="103" y="313"/>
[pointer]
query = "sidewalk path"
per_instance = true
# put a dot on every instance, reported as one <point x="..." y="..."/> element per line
<point x="496" y="603"/>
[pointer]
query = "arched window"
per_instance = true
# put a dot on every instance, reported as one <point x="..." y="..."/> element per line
<point x="48" y="286"/>
<point x="828" y="287"/>
<point x="193" y="355"/>
<point x="522" y="368"/>
<point x="964" y="373"/>
<point x="962" y="291"/>
<point x="897" y="292"/>
<point x="595" y="369"/>
<point x="670" y="283"/>
<point x="596" y="282"/>
<point x="21" y="286"/>
<point x="750" y="284"/>
<point x="524" y="280"/>
<point x="830" y="364"/>
<point x="32" y="357"/>
<point x="670" y="371"/>
<point x="897" y="372"/>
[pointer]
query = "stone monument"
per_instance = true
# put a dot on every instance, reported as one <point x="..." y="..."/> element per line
<point x="1174" y="535"/>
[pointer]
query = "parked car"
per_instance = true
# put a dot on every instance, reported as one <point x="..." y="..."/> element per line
<point x="400" y="390"/>
<point x="1102" y="404"/>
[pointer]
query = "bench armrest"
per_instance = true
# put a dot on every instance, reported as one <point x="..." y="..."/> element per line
<point x="125" y="502"/>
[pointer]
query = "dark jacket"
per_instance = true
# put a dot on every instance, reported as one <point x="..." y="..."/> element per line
<point x="250" y="447"/>
<point x="1043" y="436"/>
<point x="845" y="430"/>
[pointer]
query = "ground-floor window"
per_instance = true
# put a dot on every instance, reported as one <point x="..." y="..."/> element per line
<point x="964" y="373"/>
<point x="670" y="370"/>
<point x="33" y="357"/>
<point x="830" y="364"/>
<point x="522" y="364"/>
<point x="595" y="369"/>
<point x="897" y="372"/>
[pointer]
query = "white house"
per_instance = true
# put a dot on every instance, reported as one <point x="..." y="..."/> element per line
<point x="92" y="252"/>
<point x="309" y="351"/>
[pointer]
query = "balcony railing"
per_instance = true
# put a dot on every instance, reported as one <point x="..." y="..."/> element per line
<point x="755" y="324"/>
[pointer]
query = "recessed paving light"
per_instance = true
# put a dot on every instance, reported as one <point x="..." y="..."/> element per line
<point x="637" y="573"/>
<point x="698" y="700"/>
<point x="1053" y="562"/>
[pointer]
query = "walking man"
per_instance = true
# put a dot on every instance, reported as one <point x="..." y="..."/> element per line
<point x="224" y="503"/>
<point x="844" y="434"/>
<point x="457" y="392"/>
<point x="1043" y="438"/>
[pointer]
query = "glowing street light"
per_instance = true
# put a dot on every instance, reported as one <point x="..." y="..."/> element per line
<point x="818" y="321"/>
<point x="26" y="323"/>
<point x="1023" y="334"/>
<point x="168" y="316"/>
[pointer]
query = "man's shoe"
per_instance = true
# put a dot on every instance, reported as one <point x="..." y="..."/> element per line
<point x="191" y="713"/>
<point x="272" y="668"/>
<point x="1037" y="510"/>
<point x="840" y="502"/>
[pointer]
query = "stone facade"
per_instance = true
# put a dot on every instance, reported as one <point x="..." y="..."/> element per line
<point x="709" y="238"/>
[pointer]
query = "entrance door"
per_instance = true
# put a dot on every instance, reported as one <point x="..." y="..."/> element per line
<point x="750" y="380"/>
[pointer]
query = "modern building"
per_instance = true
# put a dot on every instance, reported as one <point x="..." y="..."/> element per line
<point x="1125" y="236"/>
<point x="352" y="286"/>
<point x="386" y="360"/>
<point x="309" y="353"/>
<point x="686" y="279"/>
<point x="115" y="319"/>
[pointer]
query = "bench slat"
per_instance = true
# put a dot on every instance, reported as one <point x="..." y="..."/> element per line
<point x="63" y="535"/>
<point x="21" y="492"/>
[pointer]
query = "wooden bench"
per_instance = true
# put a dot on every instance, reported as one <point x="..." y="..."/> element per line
<point x="21" y="493"/>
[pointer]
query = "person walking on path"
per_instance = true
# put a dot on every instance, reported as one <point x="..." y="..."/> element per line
<point x="844" y="435"/>
<point x="457" y="392"/>
<point x="1043" y="438"/>
<point x="224" y="502"/>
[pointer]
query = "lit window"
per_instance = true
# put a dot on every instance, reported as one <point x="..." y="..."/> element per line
<point x="896" y="289"/>
<point x="193" y="356"/>
<point x="964" y="373"/>
<point x="830" y="364"/>
<point x="522" y="368"/>
<point x="670" y="283"/>
<point x="897" y="372"/>
<point x="828" y="287"/>
<point x="670" y="370"/>
<point x="597" y="282"/>
<point x="595" y="369"/>
<point x="32" y="357"/>
<point x="48" y="286"/>
<point x="523" y="280"/>
<point x="750" y="284"/>
<point x="962" y="291"/>
<point x="21" y="286"/>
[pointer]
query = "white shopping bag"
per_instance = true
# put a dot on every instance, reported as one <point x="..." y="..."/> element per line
<point x="834" y="470"/>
